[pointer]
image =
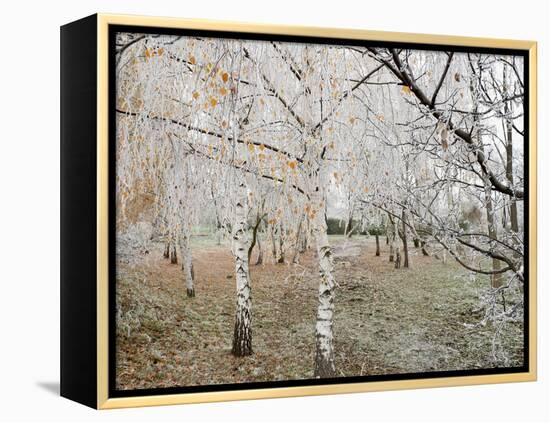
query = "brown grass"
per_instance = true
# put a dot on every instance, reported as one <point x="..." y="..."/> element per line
<point x="387" y="320"/>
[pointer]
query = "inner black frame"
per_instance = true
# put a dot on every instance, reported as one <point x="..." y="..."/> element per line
<point x="118" y="393"/>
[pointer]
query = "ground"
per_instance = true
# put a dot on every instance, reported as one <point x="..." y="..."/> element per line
<point x="387" y="321"/>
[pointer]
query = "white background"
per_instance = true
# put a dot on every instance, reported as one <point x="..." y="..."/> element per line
<point x="29" y="210"/>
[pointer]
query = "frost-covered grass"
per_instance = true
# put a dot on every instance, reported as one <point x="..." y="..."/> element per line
<point x="387" y="320"/>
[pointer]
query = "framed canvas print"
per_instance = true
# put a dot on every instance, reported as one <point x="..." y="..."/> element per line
<point x="255" y="211"/>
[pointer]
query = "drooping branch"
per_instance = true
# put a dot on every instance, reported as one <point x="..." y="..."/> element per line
<point x="399" y="70"/>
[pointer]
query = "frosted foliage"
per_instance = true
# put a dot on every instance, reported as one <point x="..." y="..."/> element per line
<point x="426" y="144"/>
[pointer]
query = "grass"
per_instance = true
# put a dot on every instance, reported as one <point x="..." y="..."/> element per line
<point x="387" y="320"/>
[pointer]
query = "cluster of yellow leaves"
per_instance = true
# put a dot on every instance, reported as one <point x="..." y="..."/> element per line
<point x="152" y="52"/>
<point x="406" y="90"/>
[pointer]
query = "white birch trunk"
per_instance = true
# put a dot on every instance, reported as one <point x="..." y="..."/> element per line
<point x="324" y="350"/>
<point x="242" y="336"/>
<point x="187" y="263"/>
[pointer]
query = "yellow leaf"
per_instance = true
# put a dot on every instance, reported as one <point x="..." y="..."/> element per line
<point x="251" y="147"/>
<point x="160" y="51"/>
<point x="147" y="53"/>
<point x="213" y="101"/>
<point x="196" y="95"/>
<point x="405" y="89"/>
<point x="352" y="120"/>
<point x="192" y="60"/>
<point x="225" y="77"/>
<point x="262" y="147"/>
<point x="292" y="165"/>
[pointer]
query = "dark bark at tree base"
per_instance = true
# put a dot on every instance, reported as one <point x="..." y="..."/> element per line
<point x="166" y="253"/>
<point x="377" y="246"/>
<point x="242" y="338"/>
<point x="397" y="260"/>
<point x="191" y="292"/>
<point x="174" y="257"/>
<point x="416" y="242"/>
<point x="324" y="368"/>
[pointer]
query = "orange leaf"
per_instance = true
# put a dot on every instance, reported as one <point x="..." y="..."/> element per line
<point x="292" y="165"/>
<point x="192" y="60"/>
<point x="225" y="77"/>
<point x="223" y="91"/>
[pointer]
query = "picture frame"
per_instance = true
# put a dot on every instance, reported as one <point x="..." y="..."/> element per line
<point x="89" y="221"/>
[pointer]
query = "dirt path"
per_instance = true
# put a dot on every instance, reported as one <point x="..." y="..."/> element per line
<point x="387" y="320"/>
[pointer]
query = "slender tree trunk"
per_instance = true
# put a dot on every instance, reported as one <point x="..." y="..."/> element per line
<point x="281" y="245"/>
<point x="273" y="244"/>
<point x="377" y="245"/>
<point x="187" y="264"/>
<point x="496" y="280"/>
<point x="297" y="241"/>
<point x="260" y="259"/>
<point x="166" y="253"/>
<point x="348" y="231"/>
<point x="254" y="236"/>
<point x="242" y="335"/>
<point x="304" y="244"/>
<point x="218" y="235"/>
<point x="397" y="258"/>
<point x="174" y="252"/>
<point x="324" y="350"/>
<point x="405" y="245"/>
<point x="510" y="155"/>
